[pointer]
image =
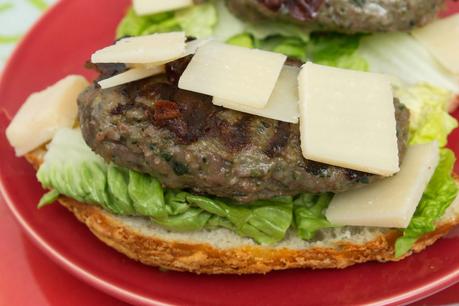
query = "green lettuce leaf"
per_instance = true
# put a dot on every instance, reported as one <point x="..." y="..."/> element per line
<point x="309" y="213"/>
<point x="197" y="21"/>
<point x="337" y="50"/>
<point x="440" y="193"/>
<point x="429" y="118"/>
<point x="147" y="195"/>
<point x="214" y="19"/>
<point x="265" y="221"/>
<point x="243" y="40"/>
<point x="48" y="198"/>
<point x="229" y="26"/>
<point x="70" y="168"/>
<point x="134" y="25"/>
<point x="291" y="46"/>
<point x="330" y="49"/>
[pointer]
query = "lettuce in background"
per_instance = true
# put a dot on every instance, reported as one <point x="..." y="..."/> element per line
<point x="213" y="19"/>
<point x="330" y="49"/>
<point x="399" y="54"/>
<point x="196" y="21"/>
<point x="337" y="50"/>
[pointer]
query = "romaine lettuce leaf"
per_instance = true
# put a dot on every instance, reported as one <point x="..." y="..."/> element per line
<point x="309" y="213"/>
<point x="400" y="55"/>
<point x="440" y="193"/>
<point x="135" y="25"/>
<point x="429" y="118"/>
<point x="332" y="49"/>
<point x="265" y="221"/>
<point x="337" y="50"/>
<point x="196" y="21"/>
<point x="291" y="46"/>
<point x="48" y="198"/>
<point x="243" y="40"/>
<point x="147" y="195"/>
<point x="229" y="26"/>
<point x="70" y="168"/>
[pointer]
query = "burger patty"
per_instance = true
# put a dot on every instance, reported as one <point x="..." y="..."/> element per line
<point x="186" y="142"/>
<point x="348" y="16"/>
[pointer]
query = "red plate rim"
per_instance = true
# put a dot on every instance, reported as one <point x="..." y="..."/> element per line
<point x="126" y="295"/>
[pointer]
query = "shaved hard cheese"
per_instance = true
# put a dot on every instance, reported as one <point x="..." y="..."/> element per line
<point x="193" y="46"/>
<point x="241" y="75"/>
<point x="392" y="201"/>
<point x="283" y="103"/>
<point x="148" y="7"/>
<point x="44" y="113"/>
<point x="131" y="75"/>
<point x="154" y="49"/>
<point x="347" y="119"/>
<point x="190" y="48"/>
<point x="441" y="38"/>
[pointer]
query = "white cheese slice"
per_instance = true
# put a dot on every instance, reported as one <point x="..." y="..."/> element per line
<point x="242" y="75"/>
<point x="392" y="201"/>
<point x="147" y="7"/>
<point x="131" y="75"/>
<point x="441" y="38"/>
<point x="193" y="46"/>
<point x="44" y="113"/>
<point x="283" y="103"/>
<point x="190" y="48"/>
<point x="151" y="49"/>
<point x="347" y="119"/>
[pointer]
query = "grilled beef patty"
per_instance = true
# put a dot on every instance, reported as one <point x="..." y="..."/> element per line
<point x="348" y="16"/>
<point x="185" y="141"/>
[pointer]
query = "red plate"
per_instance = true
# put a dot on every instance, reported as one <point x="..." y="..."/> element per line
<point x="59" y="45"/>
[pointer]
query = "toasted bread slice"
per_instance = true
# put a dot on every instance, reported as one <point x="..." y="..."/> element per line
<point x="222" y="251"/>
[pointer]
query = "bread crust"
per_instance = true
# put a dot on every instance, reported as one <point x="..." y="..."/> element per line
<point x="199" y="258"/>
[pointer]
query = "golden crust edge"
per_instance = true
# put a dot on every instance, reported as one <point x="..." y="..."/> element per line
<point x="205" y="258"/>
